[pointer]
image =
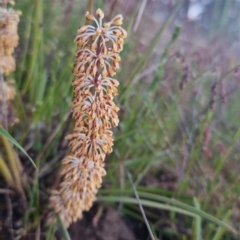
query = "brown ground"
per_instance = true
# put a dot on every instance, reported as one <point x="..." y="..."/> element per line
<point x="110" y="226"/>
<point x="106" y="224"/>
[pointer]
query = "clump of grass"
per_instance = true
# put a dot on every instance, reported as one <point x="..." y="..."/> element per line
<point x="97" y="60"/>
<point x="172" y="141"/>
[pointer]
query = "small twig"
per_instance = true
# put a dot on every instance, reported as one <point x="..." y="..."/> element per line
<point x="90" y="7"/>
<point x="145" y="73"/>
<point x="213" y="96"/>
<point x="8" y="220"/>
<point x="6" y="191"/>
<point x="186" y="155"/>
<point x="47" y="167"/>
<point x="97" y="216"/>
<point x="112" y="9"/>
<point x="51" y="137"/>
<point x="67" y="12"/>
<point x="3" y="103"/>
<point x="140" y="206"/>
<point x="139" y="16"/>
<point x="38" y="232"/>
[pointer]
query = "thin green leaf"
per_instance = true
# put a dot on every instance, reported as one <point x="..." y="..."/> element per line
<point x="63" y="229"/>
<point x="146" y="203"/>
<point x="198" y="222"/>
<point x="185" y="208"/>
<point x="5" y="134"/>
<point x="220" y="231"/>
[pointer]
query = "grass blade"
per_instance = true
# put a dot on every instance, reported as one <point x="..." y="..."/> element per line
<point x="146" y="203"/>
<point x="198" y="222"/>
<point x="63" y="229"/>
<point x="4" y="170"/>
<point x="13" y="164"/>
<point x="180" y="207"/>
<point x="220" y="231"/>
<point x="4" y="133"/>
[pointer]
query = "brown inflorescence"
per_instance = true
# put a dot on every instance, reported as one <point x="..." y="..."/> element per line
<point x="8" y="38"/>
<point x="95" y="113"/>
<point x="9" y="20"/>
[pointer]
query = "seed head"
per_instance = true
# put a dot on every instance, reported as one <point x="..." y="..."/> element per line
<point x="8" y="41"/>
<point x="94" y="112"/>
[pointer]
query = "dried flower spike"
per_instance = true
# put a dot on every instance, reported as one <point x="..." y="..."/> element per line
<point x="95" y="113"/>
<point x="8" y="91"/>
<point x="9" y="38"/>
<point x="8" y="41"/>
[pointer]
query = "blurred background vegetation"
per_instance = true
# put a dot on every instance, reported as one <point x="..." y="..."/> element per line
<point x="178" y="138"/>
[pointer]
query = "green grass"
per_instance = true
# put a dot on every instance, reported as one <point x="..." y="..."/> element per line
<point x="162" y="129"/>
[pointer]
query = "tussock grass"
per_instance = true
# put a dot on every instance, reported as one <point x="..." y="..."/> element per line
<point x="179" y="129"/>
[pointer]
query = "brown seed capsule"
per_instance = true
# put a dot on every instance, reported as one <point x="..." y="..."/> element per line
<point x="100" y="14"/>
<point x="89" y="16"/>
<point x="117" y="20"/>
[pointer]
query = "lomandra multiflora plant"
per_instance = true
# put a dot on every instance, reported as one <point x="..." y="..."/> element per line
<point x="97" y="60"/>
<point x="8" y="41"/>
